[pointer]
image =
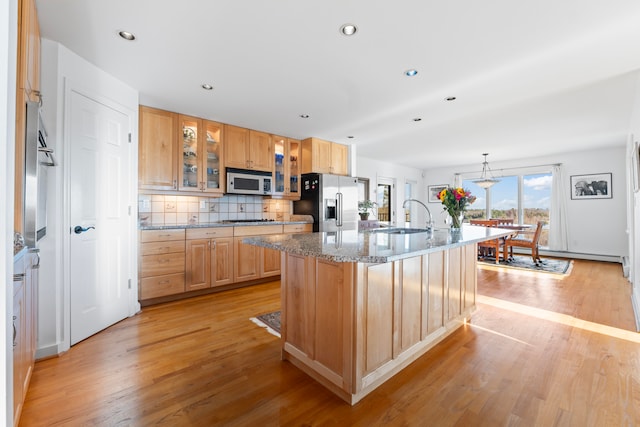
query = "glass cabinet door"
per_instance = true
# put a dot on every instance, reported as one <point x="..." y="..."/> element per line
<point x="294" y="170"/>
<point x="212" y="175"/>
<point x="189" y="170"/>
<point x="279" y="145"/>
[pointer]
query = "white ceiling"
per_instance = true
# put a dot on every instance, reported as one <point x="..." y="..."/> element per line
<point x="531" y="78"/>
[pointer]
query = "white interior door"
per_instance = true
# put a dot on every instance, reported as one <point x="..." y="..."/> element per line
<point x="98" y="209"/>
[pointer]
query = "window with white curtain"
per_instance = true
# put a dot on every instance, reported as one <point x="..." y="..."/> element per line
<point x="524" y="195"/>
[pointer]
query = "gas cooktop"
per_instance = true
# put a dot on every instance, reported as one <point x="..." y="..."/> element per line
<point x="248" y="220"/>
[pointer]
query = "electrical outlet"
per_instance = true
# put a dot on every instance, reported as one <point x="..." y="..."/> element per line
<point x="240" y="207"/>
<point x="146" y="204"/>
<point x="203" y="204"/>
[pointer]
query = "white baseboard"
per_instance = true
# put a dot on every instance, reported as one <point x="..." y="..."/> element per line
<point x="48" y="351"/>
<point x="635" y="301"/>
<point x="577" y="255"/>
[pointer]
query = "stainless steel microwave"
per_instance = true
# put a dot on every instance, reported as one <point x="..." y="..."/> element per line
<point x="240" y="181"/>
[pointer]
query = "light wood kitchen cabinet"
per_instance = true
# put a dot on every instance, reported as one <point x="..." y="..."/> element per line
<point x="321" y="156"/>
<point x="248" y="149"/>
<point x="298" y="228"/>
<point x="179" y="154"/>
<point x="209" y="260"/>
<point x="269" y="262"/>
<point x="27" y="89"/>
<point x="286" y="168"/>
<point x="25" y="321"/>
<point x="247" y="265"/>
<point x="162" y="263"/>
<point x="201" y="153"/>
<point x="158" y="155"/>
<point x="198" y="266"/>
<point x="29" y="50"/>
<point x="254" y="262"/>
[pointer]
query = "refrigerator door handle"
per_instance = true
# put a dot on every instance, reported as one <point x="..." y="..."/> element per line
<point x="339" y="209"/>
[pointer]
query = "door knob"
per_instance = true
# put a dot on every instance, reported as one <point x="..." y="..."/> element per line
<point x="79" y="229"/>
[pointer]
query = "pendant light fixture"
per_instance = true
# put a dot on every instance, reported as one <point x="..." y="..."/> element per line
<point x="485" y="180"/>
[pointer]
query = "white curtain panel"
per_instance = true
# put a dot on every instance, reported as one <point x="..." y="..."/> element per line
<point x="558" y="233"/>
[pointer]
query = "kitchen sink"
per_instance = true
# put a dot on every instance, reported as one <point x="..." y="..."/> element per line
<point x="399" y="230"/>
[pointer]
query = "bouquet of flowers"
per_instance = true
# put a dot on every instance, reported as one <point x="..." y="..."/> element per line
<point x="455" y="201"/>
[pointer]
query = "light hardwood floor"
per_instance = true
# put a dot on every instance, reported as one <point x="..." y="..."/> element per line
<point x="542" y="350"/>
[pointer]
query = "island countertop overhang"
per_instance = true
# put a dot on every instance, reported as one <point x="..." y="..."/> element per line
<point x="375" y="246"/>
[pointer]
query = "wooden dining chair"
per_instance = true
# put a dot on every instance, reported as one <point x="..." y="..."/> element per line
<point x="521" y="241"/>
<point x="504" y="221"/>
<point x="488" y="247"/>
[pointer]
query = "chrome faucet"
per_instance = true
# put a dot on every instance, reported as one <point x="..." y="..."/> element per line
<point x="430" y="221"/>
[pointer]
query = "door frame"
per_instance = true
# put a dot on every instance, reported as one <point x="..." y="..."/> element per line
<point x="133" y="304"/>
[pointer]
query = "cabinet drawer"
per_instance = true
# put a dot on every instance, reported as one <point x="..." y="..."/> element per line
<point x="209" y="233"/>
<point x="153" y="287"/>
<point x="161" y="235"/>
<point x="159" y="248"/>
<point x="257" y="230"/>
<point x="157" y="265"/>
<point x="298" y="228"/>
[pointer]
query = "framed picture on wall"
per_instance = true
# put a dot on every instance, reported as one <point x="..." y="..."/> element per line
<point x="594" y="186"/>
<point x="434" y="191"/>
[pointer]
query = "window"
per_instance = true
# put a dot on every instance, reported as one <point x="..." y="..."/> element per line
<point x="409" y="187"/>
<point x="524" y="197"/>
<point x="384" y="199"/>
<point x="363" y="189"/>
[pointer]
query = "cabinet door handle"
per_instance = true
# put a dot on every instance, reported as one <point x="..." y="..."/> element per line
<point x="19" y="277"/>
<point x="163" y="282"/>
<point x="175" y="184"/>
<point x="15" y="331"/>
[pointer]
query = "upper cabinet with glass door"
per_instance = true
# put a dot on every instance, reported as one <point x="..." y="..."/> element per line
<point x="201" y="155"/>
<point x="213" y="176"/>
<point x="286" y="171"/>
<point x="188" y="174"/>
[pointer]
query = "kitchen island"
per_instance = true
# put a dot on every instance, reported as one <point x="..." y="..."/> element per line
<point x="358" y="307"/>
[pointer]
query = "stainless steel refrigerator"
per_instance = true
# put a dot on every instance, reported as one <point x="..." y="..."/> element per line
<point x="332" y="200"/>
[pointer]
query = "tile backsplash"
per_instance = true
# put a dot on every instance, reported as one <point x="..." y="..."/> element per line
<point x="169" y="210"/>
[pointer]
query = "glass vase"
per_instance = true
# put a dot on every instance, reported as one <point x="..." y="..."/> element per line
<point x="455" y="221"/>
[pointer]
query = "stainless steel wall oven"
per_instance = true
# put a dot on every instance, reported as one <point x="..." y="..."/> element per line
<point x="37" y="158"/>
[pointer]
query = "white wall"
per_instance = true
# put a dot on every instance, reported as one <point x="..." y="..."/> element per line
<point x="8" y="55"/>
<point x="373" y="169"/>
<point x="596" y="227"/>
<point x="634" y="212"/>
<point x="62" y="68"/>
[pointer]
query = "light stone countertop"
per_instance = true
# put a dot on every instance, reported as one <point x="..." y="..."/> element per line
<point x="218" y="224"/>
<point x="374" y="246"/>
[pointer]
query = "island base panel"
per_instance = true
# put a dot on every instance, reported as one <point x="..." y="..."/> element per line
<point x="352" y="326"/>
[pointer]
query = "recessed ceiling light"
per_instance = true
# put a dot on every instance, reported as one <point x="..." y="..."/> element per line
<point x="417" y="119"/>
<point x="348" y="29"/>
<point x="450" y="98"/>
<point x="127" y="35"/>
<point x="304" y="116"/>
<point x="410" y="73"/>
<point x="207" y="86"/>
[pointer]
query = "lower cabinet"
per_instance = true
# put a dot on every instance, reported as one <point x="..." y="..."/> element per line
<point x="25" y="309"/>
<point x="162" y="263"/>
<point x="176" y="261"/>
<point x="254" y="262"/>
<point x="209" y="260"/>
